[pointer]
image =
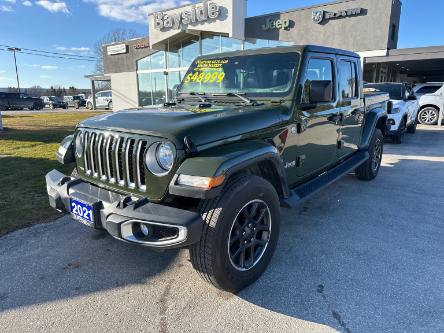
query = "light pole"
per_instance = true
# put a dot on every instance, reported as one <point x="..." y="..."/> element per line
<point x="16" y="49"/>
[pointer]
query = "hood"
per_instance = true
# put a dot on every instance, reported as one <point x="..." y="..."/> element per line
<point x="203" y="125"/>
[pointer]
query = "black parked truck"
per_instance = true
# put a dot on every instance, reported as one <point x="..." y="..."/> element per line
<point x="19" y="101"/>
<point x="249" y="132"/>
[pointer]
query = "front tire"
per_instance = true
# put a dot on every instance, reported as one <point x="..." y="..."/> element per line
<point x="240" y="233"/>
<point x="89" y="106"/>
<point x="370" y="169"/>
<point x="397" y="138"/>
<point x="412" y="127"/>
<point x="428" y="116"/>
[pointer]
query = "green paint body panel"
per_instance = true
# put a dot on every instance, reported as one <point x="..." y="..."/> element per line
<point x="230" y="135"/>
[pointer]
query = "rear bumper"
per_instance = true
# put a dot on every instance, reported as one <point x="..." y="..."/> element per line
<point x="120" y="215"/>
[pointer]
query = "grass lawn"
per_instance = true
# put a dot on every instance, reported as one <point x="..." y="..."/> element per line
<point x="28" y="145"/>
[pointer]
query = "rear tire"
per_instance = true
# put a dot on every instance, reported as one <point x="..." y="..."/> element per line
<point x="239" y="235"/>
<point x="89" y="106"/>
<point x="370" y="169"/>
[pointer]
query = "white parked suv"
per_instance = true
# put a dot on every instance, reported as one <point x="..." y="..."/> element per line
<point x="430" y="97"/>
<point x="405" y="108"/>
<point x="104" y="100"/>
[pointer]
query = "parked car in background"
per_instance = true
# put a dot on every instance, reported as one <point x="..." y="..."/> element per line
<point x="405" y="108"/>
<point x="104" y="100"/>
<point x="19" y="101"/>
<point x="430" y="101"/>
<point x="76" y="101"/>
<point x="54" y="102"/>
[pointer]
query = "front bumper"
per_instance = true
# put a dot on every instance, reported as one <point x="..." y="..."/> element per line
<point x="119" y="214"/>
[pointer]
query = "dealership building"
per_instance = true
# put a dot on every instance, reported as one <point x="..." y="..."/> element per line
<point x="144" y="72"/>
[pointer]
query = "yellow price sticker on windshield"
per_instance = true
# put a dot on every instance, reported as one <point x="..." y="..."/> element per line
<point x="205" y="77"/>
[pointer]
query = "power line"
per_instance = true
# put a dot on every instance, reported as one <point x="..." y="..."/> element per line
<point x="72" y="57"/>
<point x="52" y="53"/>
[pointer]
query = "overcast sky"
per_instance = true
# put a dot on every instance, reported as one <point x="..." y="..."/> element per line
<point x="73" y="26"/>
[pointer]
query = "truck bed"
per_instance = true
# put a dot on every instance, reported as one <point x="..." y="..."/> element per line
<point x="374" y="99"/>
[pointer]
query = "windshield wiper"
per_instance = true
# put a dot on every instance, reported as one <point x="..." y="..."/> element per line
<point x="242" y="97"/>
<point x="198" y="95"/>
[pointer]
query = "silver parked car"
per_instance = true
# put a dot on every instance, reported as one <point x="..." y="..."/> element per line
<point x="430" y="97"/>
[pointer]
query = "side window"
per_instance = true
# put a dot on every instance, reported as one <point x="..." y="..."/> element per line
<point x="98" y="95"/>
<point x="428" y="90"/>
<point x="317" y="70"/>
<point x="347" y="80"/>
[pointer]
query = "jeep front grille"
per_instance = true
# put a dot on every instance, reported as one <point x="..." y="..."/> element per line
<point x="114" y="158"/>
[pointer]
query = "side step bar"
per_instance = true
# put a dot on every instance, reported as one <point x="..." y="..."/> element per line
<point x="303" y="192"/>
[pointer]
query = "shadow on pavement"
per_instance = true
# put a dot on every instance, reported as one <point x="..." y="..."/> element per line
<point x="70" y="260"/>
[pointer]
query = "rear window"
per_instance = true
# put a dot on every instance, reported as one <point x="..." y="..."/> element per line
<point x="427" y="90"/>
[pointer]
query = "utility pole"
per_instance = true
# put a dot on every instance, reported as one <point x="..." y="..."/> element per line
<point x="16" y="49"/>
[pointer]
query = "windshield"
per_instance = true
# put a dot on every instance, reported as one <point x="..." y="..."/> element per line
<point x="394" y="90"/>
<point x="53" y="98"/>
<point x="255" y="75"/>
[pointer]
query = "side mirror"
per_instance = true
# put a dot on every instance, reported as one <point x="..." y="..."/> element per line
<point x="412" y="98"/>
<point x="321" y="91"/>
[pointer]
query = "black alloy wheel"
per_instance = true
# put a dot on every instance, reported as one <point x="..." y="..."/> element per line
<point x="249" y="235"/>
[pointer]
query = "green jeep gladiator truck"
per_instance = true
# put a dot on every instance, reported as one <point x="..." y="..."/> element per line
<point x="249" y="132"/>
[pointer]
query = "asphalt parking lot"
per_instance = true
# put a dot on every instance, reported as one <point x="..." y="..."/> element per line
<point x="359" y="257"/>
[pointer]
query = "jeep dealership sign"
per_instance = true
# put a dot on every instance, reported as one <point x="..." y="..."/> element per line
<point x="197" y="13"/>
<point x="217" y="16"/>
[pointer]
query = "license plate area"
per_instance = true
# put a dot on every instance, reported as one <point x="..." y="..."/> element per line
<point x="82" y="212"/>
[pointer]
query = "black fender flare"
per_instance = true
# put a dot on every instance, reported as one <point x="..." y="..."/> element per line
<point x="228" y="160"/>
<point x="376" y="118"/>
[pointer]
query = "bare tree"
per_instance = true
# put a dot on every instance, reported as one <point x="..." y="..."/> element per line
<point x="114" y="36"/>
<point x="35" y="91"/>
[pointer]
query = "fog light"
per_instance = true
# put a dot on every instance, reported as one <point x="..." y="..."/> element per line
<point x="145" y="229"/>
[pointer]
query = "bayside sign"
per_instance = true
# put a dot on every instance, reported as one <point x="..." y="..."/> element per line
<point x="197" y="13"/>
<point x="319" y="16"/>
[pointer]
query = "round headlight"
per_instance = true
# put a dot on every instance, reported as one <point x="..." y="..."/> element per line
<point x="159" y="158"/>
<point x="165" y="156"/>
<point x="79" y="145"/>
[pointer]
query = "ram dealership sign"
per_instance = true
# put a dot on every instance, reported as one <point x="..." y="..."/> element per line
<point x="320" y="16"/>
<point x="197" y="13"/>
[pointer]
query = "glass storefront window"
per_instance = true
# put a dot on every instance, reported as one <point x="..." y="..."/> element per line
<point x="230" y="44"/>
<point x="144" y="64"/>
<point x="173" y="60"/>
<point x="158" y="60"/>
<point x="257" y="44"/>
<point x="274" y="43"/>
<point x="158" y="87"/>
<point x="145" y="93"/>
<point x="174" y="79"/>
<point x="189" y="52"/>
<point x="211" y="44"/>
